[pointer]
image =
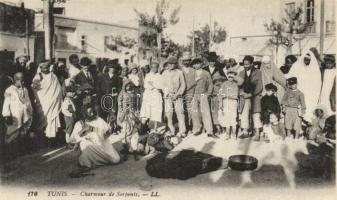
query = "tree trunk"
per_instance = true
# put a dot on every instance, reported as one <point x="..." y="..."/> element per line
<point x="289" y="49"/>
<point x="159" y="36"/>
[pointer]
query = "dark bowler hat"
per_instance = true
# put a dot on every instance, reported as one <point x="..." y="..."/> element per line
<point x="292" y="81"/>
<point x="196" y="61"/>
<point x="250" y="59"/>
<point x="212" y="57"/>
<point x="271" y="86"/>
<point x="111" y="64"/>
<point x="85" y="61"/>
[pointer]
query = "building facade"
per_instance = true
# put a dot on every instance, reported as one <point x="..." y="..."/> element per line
<point x="257" y="44"/>
<point x="16" y="32"/>
<point x="96" y="40"/>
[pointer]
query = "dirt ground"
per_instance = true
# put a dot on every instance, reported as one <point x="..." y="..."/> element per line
<point x="283" y="164"/>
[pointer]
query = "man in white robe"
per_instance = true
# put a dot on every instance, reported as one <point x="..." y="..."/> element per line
<point x="49" y="99"/>
<point x="17" y="109"/>
<point x="308" y="74"/>
<point x="91" y="134"/>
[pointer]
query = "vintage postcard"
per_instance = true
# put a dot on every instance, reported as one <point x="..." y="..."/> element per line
<point x="167" y="99"/>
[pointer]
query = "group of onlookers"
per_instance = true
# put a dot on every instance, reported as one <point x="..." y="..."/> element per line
<point x="201" y="94"/>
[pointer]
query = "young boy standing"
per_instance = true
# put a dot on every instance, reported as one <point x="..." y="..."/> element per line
<point x="69" y="110"/>
<point x="229" y="94"/>
<point x="293" y="104"/>
<point x="17" y="110"/>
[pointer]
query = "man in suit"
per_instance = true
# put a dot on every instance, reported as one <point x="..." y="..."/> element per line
<point x="109" y="84"/>
<point x="251" y="92"/>
<point x="189" y="74"/>
<point x="85" y="76"/>
<point x="200" y="103"/>
<point x="218" y="77"/>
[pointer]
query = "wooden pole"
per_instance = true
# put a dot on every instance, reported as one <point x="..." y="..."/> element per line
<point x="27" y="35"/>
<point x="210" y="32"/>
<point x="47" y="14"/>
<point x="193" y="40"/>
<point x="321" y="35"/>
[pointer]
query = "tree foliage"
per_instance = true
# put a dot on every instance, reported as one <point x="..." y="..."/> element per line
<point x="162" y="17"/>
<point x="288" y="29"/>
<point x="202" y="37"/>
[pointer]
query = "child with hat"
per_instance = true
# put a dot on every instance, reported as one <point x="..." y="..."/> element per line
<point x="68" y="110"/>
<point x="269" y="103"/>
<point x="229" y="95"/>
<point x="133" y="76"/>
<point x="293" y="105"/>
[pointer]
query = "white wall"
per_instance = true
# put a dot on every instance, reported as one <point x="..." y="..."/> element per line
<point x="95" y="33"/>
<point x="16" y="44"/>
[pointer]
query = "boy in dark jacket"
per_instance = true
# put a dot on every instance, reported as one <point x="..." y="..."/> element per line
<point x="269" y="103"/>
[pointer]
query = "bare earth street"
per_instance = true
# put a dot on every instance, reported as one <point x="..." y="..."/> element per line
<point x="285" y="164"/>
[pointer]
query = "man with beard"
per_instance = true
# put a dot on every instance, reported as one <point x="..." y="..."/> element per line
<point x="308" y="73"/>
<point x="251" y="94"/>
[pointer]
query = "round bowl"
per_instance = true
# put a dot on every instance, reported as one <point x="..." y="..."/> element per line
<point x="242" y="162"/>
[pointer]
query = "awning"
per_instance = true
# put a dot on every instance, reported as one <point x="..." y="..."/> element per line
<point x="309" y="42"/>
<point x="258" y="46"/>
<point x="249" y="46"/>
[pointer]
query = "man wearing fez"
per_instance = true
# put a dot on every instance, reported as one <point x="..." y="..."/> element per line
<point x="218" y="77"/>
<point x="251" y="94"/>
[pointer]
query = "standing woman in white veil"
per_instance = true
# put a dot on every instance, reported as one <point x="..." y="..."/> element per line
<point x="308" y="74"/>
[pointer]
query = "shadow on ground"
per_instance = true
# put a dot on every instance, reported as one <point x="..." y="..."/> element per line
<point x="281" y="165"/>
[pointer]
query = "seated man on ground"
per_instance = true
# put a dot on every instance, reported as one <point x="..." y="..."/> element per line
<point x="91" y="134"/>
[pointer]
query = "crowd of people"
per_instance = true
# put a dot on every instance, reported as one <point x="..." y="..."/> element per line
<point x="201" y="95"/>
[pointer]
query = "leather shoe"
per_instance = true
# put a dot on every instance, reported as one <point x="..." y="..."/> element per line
<point x="197" y="133"/>
<point x="212" y="136"/>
